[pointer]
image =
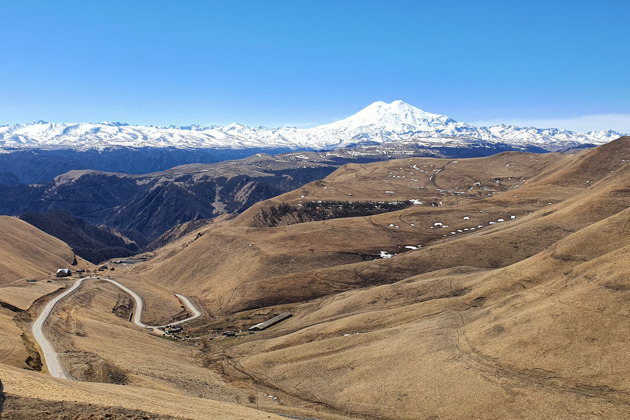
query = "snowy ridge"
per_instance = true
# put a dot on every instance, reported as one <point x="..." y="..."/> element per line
<point x="378" y="123"/>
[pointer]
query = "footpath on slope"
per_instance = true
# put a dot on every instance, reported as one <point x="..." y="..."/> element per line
<point x="51" y="358"/>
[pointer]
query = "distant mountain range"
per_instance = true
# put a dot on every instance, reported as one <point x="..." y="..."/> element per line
<point x="379" y="123"/>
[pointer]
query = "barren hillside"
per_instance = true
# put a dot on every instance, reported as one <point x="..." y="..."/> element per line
<point x="29" y="252"/>
<point x="32" y="395"/>
<point x="419" y="288"/>
<point x="504" y="297"/>
<point x="97" y="343"/>
<point x="485" y="212"/>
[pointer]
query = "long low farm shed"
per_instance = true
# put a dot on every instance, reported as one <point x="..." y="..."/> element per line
<point x="270" y="322"/>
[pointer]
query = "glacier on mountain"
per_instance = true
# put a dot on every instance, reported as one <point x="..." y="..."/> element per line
<point x="379" y="123"/>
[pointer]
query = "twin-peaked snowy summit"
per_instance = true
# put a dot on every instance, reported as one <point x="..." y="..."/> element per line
<point x="379" y="123"/>
<point x="396" y="117"/>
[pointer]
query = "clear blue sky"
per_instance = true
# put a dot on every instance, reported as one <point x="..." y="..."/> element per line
<point x="311" y="62"/>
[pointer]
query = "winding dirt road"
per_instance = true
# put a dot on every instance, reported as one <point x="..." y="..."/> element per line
<point x="51" y="358"/>
<point x="137" y="316"/>
<point x="53" y="362"/>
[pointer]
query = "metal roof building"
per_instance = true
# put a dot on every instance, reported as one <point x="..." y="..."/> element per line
<point x="270" y="322"/>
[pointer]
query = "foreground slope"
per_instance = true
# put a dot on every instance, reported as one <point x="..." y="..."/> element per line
<point x="156" y="393"/>
<point x="26" y="254"/>
<point x="32" y="395"/>
<point x="419" y="288"/>
<point x="517" y="309"/>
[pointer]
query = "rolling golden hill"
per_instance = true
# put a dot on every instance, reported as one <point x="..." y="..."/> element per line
<point x="491" y="287"/>
<point x="29" y="252"/>
<point x="485" y="213"/>
<point x="87" y="321"/>
<point x="505" y="296"/>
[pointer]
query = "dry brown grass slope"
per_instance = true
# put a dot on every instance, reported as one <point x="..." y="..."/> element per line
<point x="108" y="348"/>
<point x="232" y="253"/>
<point x="526" y="318"/>
<point x="522" y="318"/>
<point x="25" y="253"/>
<point x="163" y="379"/>
<point x="28" y="252"/>
<point x="542" y="338"/>
<point x="59" y="399"/>
<point x="234" y="266"/>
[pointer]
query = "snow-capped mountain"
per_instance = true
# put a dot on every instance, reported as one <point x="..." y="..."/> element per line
<point x="379" y="123"/>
